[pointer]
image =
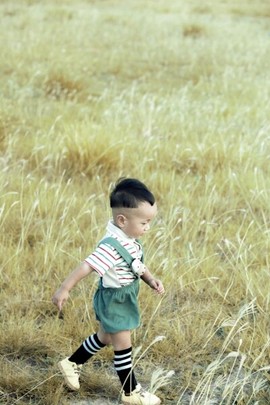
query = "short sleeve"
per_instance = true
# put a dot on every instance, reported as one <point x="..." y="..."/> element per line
<point x="102" y="259"/>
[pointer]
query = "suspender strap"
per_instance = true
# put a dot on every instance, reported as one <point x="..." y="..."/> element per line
<point x="120" y="249"/>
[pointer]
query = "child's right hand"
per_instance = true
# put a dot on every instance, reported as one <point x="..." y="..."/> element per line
<point x="60" y="297"/>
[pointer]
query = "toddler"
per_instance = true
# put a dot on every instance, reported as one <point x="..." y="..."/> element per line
<point x="118" y="260"/>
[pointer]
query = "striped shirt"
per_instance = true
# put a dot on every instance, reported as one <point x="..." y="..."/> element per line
<point x="107" y="262"/>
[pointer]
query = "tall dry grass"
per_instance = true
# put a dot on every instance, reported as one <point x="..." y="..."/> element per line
<point x="176" y="94"/>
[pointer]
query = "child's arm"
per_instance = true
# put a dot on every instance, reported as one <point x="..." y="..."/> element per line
<point x="62" y="294"/>
<point x="154" y="283"/>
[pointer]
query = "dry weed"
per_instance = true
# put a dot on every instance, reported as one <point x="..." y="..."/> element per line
<point x="175" y="94"/>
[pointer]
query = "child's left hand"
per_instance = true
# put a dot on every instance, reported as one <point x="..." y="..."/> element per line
<point x="156" y="285"/>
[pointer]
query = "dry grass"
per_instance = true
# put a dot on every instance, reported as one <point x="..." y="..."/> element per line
<point x="174" y="93"/>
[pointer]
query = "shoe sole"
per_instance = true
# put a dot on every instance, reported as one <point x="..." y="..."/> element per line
<point x="72" y="387"/>
<point x="129" y="403"/>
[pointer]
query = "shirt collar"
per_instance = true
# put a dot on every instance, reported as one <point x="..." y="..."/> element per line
<point x="114" y="231"/>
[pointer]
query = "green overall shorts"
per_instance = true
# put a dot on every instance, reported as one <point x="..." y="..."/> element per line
<point x="117" y="308"/>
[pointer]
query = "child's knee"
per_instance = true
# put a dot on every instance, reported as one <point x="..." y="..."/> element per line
<point x="104" y="337"/>
<point x="121" y="340"/>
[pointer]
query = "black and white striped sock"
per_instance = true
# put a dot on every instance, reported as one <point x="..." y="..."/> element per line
<point x="123" y="367"/>
<point x="89" y="348"/>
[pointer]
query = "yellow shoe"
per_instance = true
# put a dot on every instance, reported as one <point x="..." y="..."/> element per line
<point x="140" y="397"/>
<point x="70" y="372"/>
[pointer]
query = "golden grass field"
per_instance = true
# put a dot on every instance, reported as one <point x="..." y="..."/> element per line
<point x="175" y="93"/>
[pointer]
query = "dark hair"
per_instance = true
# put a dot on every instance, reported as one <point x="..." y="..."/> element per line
<point x="128" y="193"/>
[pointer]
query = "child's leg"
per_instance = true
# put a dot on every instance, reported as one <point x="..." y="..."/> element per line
<point x="133" y="392"/>
<point x="123" y="361"/>
<point x="71" y="367"/>
<point x="90" y="347"/>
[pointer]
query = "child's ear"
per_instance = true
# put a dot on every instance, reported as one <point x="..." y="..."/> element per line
<point x="120" y="220"/>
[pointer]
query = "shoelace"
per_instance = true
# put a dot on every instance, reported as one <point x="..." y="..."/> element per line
<point x="77" y="369"/>
<point x="142" y="392"/>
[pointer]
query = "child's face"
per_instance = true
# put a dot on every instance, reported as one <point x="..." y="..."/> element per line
<point x="135" y="222"/>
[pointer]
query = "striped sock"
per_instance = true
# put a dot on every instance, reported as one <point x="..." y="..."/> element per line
<point x="89" y="347"/>
<point x="123" y="367"/>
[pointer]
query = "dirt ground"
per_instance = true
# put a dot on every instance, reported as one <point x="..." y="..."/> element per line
<point x="101" y="401"/>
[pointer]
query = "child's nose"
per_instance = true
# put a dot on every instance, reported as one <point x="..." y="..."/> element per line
<point x="147" y="227"/>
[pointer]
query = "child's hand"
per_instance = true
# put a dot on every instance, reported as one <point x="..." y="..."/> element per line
<point x="60" y="297"/>
<point x="156" y="285"/>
